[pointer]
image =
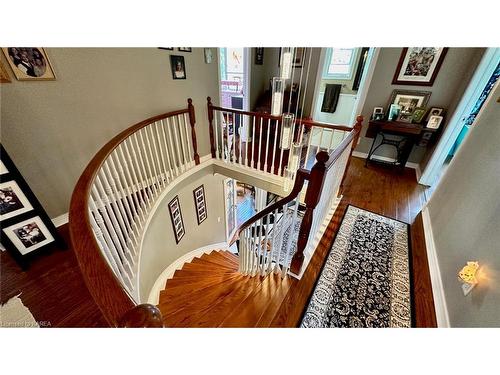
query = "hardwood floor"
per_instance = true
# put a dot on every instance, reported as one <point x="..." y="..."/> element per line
<point x="54" y="291"/>
<point x="386" y="192"/>
<point x="52" y="288"/>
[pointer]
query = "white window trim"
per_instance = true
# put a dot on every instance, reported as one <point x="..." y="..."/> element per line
<point x="346" y="77"/>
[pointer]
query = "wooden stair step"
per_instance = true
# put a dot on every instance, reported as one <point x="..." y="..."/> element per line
<point x="181" y="272"/>
<point x="252" y="308"/>
<point x="205" y="261"/>
<point x="210" y="316"/>
<point x="218" y="258"/>
<point x="229" y="255"/>
<point x="175" y="308"/>
<point x="207" y="267"/>
<point x="275" y="303"/>
<point x="175" y="289"/>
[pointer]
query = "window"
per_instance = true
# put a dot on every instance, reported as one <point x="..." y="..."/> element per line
<point x="339" y="63"/>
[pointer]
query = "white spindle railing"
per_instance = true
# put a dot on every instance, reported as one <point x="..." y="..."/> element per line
<point x="129" y="181"/>
<point x="267" y="245"/>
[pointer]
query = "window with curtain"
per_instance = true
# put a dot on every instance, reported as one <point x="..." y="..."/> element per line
<point x="339" y="63"/>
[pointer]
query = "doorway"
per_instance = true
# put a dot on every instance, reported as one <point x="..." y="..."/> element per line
<point x="478" y="90"/>
<point x="234" y="78"/>
<point x="342" y="81"/>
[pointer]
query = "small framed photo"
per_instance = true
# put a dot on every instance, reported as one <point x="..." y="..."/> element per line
<point x="419" y="66"/>
<point x="259" y="55"/>
<point x="185" y="49"/>
<point x="178" y="67"/>
<point x="418" y="114"/>
<point x="13" y="202"/>
<point x="28" y="235"/>
<point x="434" y="122"/>
<point x="405" y="117"/>
<point x="434" y="111"/>
<point x="200" y="204"/>
<point x="394" y="110"/>
<point x="208" y="55"/>
<point x="29" y="64"/>
<point x="377" y="111"/>
<point x="176" y="216"/>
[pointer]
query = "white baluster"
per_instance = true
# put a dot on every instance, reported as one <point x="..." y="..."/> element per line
<point x="239" y="138"/>
<point x="267" y="143"/>
<point x="274" y="145"/>
<point x="253" y="143"/>
<point x="259" y="144"/>
<point x="172" y="147"/>
<point x="187" y="129"/>
<point x="216" y="131"/>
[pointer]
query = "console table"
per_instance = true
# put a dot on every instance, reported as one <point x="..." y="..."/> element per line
<point x="409" y="135"/>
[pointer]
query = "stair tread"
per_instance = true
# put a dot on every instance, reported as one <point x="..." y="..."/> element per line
<point x="275" y="303"/>
<point x="216" y="256"/>
<point x="208" y="261"/>
<point x="194" y="285"/>
<point x="229" y="255"/>
<point x="209" y="315"/>
<point x="176" y="307"/>
<point x="252" y="308"/>
<point x="207" y="267"/>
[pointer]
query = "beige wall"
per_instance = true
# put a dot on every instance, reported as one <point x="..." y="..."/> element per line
<point x="465" y="215"/>
<point x="159" y="249"/>
<point x="52" y="129"/>
<point x="458" y="66"/>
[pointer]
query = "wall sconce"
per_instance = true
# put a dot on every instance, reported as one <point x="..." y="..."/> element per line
<point x="468" y="276"/>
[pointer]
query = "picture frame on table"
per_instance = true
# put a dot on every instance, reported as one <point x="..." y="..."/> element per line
<point x="200" y="204"/>
<point x="434" y="111"/>
<point x="434" y="122"/>
<point x="178" y="67"/>
<point x="26" y="229"/>
<point x="409" y="100"/>
<point x="405" y="117"/>
<point x="174" y="208"/>
<point x="29" y="64"/>
<point x="378" y="113"/>
<point x="418" y="114"/>
<point x="419" y="66"/>
<point x="393" y="112"/>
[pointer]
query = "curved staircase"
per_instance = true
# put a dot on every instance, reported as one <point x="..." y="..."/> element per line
<point x="209" y="292"/>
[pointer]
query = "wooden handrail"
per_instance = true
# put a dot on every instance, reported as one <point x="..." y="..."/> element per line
<point x="142" y="316"/>
<point x="107" y="291"/>
<point x="302" y="175"/>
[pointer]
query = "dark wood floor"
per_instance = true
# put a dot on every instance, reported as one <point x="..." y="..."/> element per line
<point x="52" y="288"/>
<point x="54" y="291"/>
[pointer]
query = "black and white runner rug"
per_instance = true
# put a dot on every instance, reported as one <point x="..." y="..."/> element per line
<point x="366" y="278"/>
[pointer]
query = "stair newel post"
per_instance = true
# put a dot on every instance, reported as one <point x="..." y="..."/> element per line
<point x="313" y="193"/>
<point x="192" y="121"/>
<point x="357" y="129"/>
<point x="210" y="108"/>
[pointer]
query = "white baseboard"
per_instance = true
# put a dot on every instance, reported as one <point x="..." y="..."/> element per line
<point x="61" y="220"/>
<point x="159" y="285"/>
<point x="435" y="273"/>
<point x="411" y="165"/>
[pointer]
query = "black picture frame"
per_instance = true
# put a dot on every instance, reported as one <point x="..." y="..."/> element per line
<point x="178" y="67"/>
<point x="259" y="55"/>
<point x="24" y="249"/>
<point x="200" y="204"/>
<point x="178" y="228"/>
<point x="185" y="49"/>
<point x="167" y="48"/>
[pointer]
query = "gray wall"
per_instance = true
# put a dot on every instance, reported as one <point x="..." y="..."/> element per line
<point x="458" y="66"/>
<point x="159" y="249"/>
<point x="52" y="129"/>
<point x="465" y="217"/>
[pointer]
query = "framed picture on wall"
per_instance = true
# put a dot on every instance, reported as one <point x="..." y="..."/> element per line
<point x="26" y="227"/>
<point x="176" y="215"/>
<point x="29" y="64"/>
<point x="185" y="49"/>
<point x="178" y="67"/>
<point x="259" y="55"/>
<point x="419" y="66"/>
<point x="200" y="204"/>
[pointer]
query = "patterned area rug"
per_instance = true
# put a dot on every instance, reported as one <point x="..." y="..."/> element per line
<point x="366" y="279"/>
